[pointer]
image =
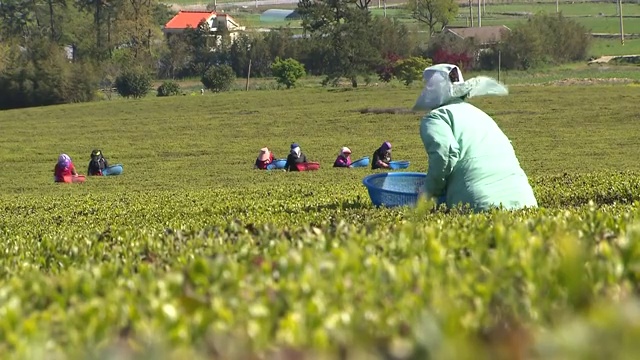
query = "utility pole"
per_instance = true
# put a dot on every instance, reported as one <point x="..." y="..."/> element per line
<point x="621" y="24"/>
<point x="499" y="64"/>
<point x="479" y="13"/>
<point x="248" y="76"/>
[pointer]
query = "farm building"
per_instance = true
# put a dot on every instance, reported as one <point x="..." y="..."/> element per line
<point x="485" y="35"/>
<point x="218" y="23"/>
<point x="273" y="15"/>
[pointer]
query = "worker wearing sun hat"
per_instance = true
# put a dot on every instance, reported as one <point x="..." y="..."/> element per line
<point x="344" y="158"/>
<point x="471" y="161"/>
<point x="265" y="157"/>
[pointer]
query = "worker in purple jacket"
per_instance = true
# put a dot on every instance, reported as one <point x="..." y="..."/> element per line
<point x="344" y="158"/>
<point x="382" y="156"/>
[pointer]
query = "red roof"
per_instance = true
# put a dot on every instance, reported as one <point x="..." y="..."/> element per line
<point x="185" y="19"/>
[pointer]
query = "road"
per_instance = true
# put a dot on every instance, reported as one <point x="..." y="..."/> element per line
<point x="222" y="5"/>
<point x="258" y="3"/>
<point x="263" y="3"/>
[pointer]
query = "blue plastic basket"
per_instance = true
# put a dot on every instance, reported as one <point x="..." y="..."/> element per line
<point x="364" y="162"/>
<point x="112" y="170"/>
<point x="277" y="164"/>
<point x="394" y="165"/>
<point x="394" y="189"/>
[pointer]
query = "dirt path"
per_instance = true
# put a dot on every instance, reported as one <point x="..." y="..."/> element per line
<point x="607" y="58"/>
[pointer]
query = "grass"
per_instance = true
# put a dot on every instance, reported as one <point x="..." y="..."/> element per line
<point x="534" y="77"/>
<point x="192" y="253"/>
<point x="567" y="8"/>
<point x="614" y="47"/>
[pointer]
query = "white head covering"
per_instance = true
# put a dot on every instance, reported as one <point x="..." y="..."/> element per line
<point x="439" y="90"/>
<point x="296" y="151"/>
<point x="345" y="151"/>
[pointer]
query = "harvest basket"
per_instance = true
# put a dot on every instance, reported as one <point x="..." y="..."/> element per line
<point x="363" y="162"/>
<point x="394" y="189"/>
<point x="309" y="166"/>
<point x="394" y="165"/>
<point x="72" y="179"/>
<point x="277" y="164"/>
<point x="112" y="170"/>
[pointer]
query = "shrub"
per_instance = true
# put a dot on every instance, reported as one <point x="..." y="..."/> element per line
<point x="169" y="88"/>
<point x="43" y="76"/>
<point x="133" y="83"/>
<point x="446" y="48"/>
<point x="287" y="72"/>
<point x="387" y="69"/>
<point x="462" y="59"/>
<point x="218" y="78"/>
<point x="545" y="39"/>
<point x="411" y="69"/>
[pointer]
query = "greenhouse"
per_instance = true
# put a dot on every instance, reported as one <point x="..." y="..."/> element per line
<point x="273" y="15"/>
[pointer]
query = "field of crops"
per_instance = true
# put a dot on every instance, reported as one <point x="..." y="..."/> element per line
<point x="191" y="253"/>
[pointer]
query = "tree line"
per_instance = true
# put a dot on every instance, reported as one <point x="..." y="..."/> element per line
<point x="119" y="42"/>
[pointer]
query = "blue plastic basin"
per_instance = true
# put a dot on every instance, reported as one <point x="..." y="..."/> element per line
<point x="363" y="162"/>
<point x="112" y="170"/>
<point x="277" y="164"/>
<point x="394" y="165"/>
<point x="394" y="189"/>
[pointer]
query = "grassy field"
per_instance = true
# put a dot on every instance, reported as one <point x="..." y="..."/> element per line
<point x="570" y="72"/>
<point x="191" y="253"/>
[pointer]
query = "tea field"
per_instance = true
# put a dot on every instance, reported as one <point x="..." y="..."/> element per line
<point x="191" y="253"/>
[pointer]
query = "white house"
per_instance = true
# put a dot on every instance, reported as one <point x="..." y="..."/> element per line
<point x="218" y="23"/>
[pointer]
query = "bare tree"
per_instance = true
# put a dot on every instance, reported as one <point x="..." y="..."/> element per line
<point x="433" y="12"/>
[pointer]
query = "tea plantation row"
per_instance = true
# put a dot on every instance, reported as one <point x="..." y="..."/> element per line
<point x="192" y="254"/>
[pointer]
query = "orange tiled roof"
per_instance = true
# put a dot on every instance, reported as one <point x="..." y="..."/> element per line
<point x="184" y="19"/>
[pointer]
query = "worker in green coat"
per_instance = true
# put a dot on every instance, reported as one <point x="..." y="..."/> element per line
<point x="471" y="161"/>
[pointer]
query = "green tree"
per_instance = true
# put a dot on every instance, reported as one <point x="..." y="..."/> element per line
<point x="344" y="33"/>
<point x="250" y="48"/>
<point x="133" y="83"/>
<point x="433" y="12"/>
<point x="102" y="12"/>
<point x="288" y="71"/>
<point x="19" y="19"/>
<point x="175" y="57"/>
<point x="41" y="75"/>
<point x="543" y="39"/>
<point x="411" y="69"/>
<point x="218" y="78"/>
